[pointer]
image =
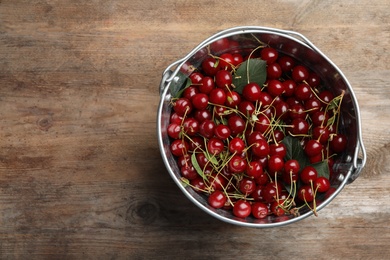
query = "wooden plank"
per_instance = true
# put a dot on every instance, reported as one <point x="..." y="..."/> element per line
<point x="81" y="175"/>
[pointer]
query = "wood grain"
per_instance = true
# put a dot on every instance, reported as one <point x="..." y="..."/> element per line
<point x="81" y="175"/>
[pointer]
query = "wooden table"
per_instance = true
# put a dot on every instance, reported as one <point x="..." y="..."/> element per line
<point x="81" y="176"/>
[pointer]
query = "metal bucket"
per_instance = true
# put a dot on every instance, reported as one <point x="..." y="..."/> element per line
<point x="348" y="165"/>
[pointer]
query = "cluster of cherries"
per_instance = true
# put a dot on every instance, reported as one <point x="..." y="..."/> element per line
<point x="229" y="142"/>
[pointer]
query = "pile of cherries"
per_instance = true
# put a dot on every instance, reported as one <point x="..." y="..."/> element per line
<point x="229" y="141"/>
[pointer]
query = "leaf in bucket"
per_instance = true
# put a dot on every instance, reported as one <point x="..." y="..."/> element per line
<point x="196" y="166"/>
<point x="181" y="82"/>
<point x="251" y="70"/>
<point x="322" y="168"/>
<point x="295" y="151"/>
<point x="334" y="103"/>
<point x="185" y="181"/>
<point x="212" y="158"/>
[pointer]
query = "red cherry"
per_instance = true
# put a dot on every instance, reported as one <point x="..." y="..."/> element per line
<point x="292" y="166"/>
<point x="206" y="85"/>
<point x="260" y="148"/>
<point x="236" y="124"/>
<point x="222" y="131"/>
<point x="196" y="143"/>
<point x="233" y="99"/>
<point x="278" y="149"/>
<point x="196" y="78"/>
<point x="254" y="169"/>
<point x="322" y="184"/>
<point x="174" y="130"/>
<point x="226" y="61"/>
<point x="191" y="126"/>
<point x="215" y="146"/>
<point x="277" y="208"/>
<point x="182" y="106"/>
<point x="217" y="96"/>
<point x="309" y="174"/>
<point x="302" y="92"/>
<point x="274" y="71"/>
<point x="202" y="115"/>
<point x="313" y="148"/>
<point x="219" y="46"/>
<point x="263" y="123"/>
<point x="236" y="145"/>
<point x="202" y="160"/>
<point x="299" y="126"/>
<point x="291" y="170"/>
<point x="175" y="118"/>
<point x="260" y="210"/>
<point x="242" y="209"/>
<point x="270" y="55"/>
<point x="289" y="86"/>
<point x="200" y="101"/>
<point x="188" y="171"/>
<point x="246" y="107"/>
<point x="275" y="163"/>
<point x="179" y="147"/>
<point x="326" y="96"/>
<point x="237" y="164"/>
<point x="297" y="111"/>
<point x="319" y="118"/>
<point x="251" y="92"/>
<point x="338" y="143"/>
<point x="321" y="134"/>
<point x="271" y="191"/>
<point x="305" y="193"/>
<point x="190" y="92"/>
<point x="281" y="110"/>
<point x="300" y="73"/>
<point x="206" y="128"/>
<point x="198" y="184"/>
<point x="247" y="186"/>
<point x="265" y="99"/>
<point x="253" y="136"/>
<point x="210" y="66"/>
<point x="217" y="199"/>
<point x="184" y="160"/>
<point x="312" y="105"/>
<point x="286" y="63"/>
<point x="275" y="87"/>
<point x="313" y="80"/>
<point x="237" y="59"/>
<point x="263" y="178"/>
<point x="217" y="181"/>
<point x="223" y="79"/>
<point x="278" y="135"/>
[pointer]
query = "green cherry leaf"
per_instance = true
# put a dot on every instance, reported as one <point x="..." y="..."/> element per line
<point x="334" y="103"/>
<point x="197" y="166"/>
<point x="322" y="168"/>
<point x="212" y="159"/>
<point x="251" y="70"/>
<point x="181" y="82"/>
<point x="185" y="181"/>
<point x="295" y="151"/>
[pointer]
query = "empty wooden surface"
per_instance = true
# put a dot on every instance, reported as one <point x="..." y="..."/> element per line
<point x="81" y="175"/>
